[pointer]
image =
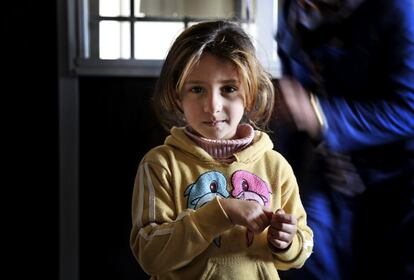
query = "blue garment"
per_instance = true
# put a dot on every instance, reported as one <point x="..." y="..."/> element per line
<point x="362" y="70"/>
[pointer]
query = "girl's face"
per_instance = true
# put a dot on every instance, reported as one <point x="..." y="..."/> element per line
<point x="212" y="98"/>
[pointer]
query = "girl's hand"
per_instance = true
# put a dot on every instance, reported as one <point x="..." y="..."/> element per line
<point x="282" y="229"/>
<point x="250" y="214"/>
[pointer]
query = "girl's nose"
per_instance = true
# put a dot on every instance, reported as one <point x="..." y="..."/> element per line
<point x="214" y="102"/>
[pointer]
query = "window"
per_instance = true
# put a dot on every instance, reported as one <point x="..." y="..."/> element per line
<point x="132" y="37"/>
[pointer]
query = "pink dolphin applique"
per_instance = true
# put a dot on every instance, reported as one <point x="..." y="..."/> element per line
<point x="248" y="186"/>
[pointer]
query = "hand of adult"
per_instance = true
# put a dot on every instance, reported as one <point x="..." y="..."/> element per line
<point x="298" y="103"/>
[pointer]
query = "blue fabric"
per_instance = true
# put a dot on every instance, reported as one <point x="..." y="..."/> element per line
<point x="364" y="124"/>
<point x="362" y="71"/>
<point x="333" y="251"/>
<point x="374" y="63"/>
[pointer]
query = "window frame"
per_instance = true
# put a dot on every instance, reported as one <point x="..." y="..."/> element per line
<point x="79" y="36"/>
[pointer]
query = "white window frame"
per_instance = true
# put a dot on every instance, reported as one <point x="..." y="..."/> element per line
<point x="265" y="23"/>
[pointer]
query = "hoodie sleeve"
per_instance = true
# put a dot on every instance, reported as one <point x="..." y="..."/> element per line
<point x="161" y="239"/>
<point x="302" y="244"/>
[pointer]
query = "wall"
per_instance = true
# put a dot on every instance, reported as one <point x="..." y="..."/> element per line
<point x="117" y="127"/>
<point x="29" y="140"/>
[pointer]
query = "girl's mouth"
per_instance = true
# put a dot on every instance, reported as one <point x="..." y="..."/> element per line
<point x="214" y="123"/>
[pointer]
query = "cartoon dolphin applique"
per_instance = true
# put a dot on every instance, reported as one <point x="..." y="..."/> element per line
<point x="248" y="186"/>
<point x="204" y="189"/>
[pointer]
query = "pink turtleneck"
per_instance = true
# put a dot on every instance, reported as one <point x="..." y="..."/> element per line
<point x="223" y="150"/>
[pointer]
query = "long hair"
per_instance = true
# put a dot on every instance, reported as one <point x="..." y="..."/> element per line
<point x="227" y="41"/>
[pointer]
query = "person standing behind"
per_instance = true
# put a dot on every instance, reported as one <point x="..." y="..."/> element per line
<point x="348" y="81"/>
<point x="216" y="201"/>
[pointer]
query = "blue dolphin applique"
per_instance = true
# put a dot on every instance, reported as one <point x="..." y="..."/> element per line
<point x="206" y="188"/>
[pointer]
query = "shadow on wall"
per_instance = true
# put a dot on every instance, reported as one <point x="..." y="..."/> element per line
<point x="117" y="127"/>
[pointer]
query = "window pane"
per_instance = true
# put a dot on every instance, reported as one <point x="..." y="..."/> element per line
<point x="114" y="8"/>
<point x="250" y="28"/>
<point x="186" y="8"/>
<point x="153" y="39"/>
<point x="137" y="9"/>
<point x="114" y="40"/>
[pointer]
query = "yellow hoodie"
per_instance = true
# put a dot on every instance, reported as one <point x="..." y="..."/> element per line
<point x="180" y="231"/>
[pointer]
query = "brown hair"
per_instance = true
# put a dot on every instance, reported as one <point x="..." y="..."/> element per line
<point x="225" y="40"/>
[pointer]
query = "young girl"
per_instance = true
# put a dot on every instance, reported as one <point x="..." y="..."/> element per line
<point x="216" y="201"/>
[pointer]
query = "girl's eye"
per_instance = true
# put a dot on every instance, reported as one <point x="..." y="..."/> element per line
<point x="229" y="89"/>
<point x="197" y="89"/>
